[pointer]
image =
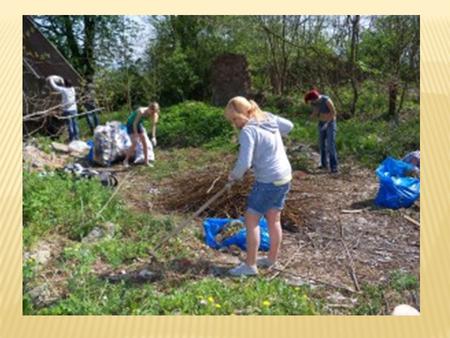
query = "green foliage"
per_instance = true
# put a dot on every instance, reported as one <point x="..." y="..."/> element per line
<point x="371" y="301"/>
<point x="205" y="297"/>
<point x="177" y="78"/>
<point x="369" y="141"/>
<point x="192" y="124"/>
<point x="119" y="251"/>
<point x="401" y="281"/>
<point x="62" y="203"/>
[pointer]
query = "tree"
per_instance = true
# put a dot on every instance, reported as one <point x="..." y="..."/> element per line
<point x="391" y="51"/>
<point x="85" y="40"/>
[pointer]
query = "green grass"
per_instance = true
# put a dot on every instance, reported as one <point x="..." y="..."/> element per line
<point x="206" y="297"/>
<point x="62" y="203"/>
<point x="367" y="141"/>
<point x="401" y="281"/>
<point x="373" y="299"/>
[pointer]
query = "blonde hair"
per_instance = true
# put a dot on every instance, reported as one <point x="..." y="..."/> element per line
<point x="248" y="108"/>
<point x="154" y="105"/>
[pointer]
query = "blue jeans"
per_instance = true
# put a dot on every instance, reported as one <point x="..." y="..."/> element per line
<point x="327" y="144"/>
<point x="266" y="196"/>
<point x="72" y="125"/>
<point x="91" y="118"/>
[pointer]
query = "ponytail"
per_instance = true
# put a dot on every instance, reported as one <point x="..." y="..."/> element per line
<point x="255" y="111"/>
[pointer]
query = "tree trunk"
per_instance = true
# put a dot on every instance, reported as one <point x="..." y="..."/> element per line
<point x="353" y="57"/>
<point x="71" y="40"/>
<point x="393" y="91"/>
<point x="89" y="36"/>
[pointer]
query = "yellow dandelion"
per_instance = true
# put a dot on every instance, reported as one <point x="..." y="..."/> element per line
<point x="266" y="303"/>
<point x="218" y="306"/>
<point x="211" y="299"/>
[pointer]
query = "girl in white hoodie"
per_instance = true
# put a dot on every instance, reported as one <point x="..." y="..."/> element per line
<point x="261" y="148"/>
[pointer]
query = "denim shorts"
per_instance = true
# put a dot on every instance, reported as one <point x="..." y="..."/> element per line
<point x="266" y="196"/>
<point x="130" y="130"/>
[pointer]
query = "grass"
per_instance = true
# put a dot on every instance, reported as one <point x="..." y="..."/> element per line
<point x="205" y="297"/>
<point x="367" y="141"/>
<point x="374" y="298"/>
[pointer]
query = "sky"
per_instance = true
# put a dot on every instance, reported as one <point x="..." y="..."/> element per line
<point x="146" y="33"/>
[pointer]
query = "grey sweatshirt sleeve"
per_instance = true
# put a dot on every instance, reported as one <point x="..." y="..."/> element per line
<point x="245" y="157"/>
<point x="284" y="125"/>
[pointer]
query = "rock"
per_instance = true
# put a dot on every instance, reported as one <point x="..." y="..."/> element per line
<point x="38" y="159"/>
<point x="146" y="274"/>
<point x="297" y="281"/>
<point x="60" y="147"/>
<point x="42" y="296"/>
<point x="41" y="255"/>
<point x="95" y="235"/>
<point x="405" y="310"/>
<point x="110" y="228"/>
<point x="105" y="231"/>
<point x="337" y="297"/>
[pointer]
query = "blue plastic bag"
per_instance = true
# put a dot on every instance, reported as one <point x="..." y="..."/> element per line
<point x="396" y="189"/>
<point x="212" y="226"/>
<point x="90" y="143"/>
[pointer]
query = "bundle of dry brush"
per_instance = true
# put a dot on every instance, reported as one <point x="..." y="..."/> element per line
<point x="188" y="192"/>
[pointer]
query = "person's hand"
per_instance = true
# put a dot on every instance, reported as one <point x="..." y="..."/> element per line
<point x="154" y="141"/>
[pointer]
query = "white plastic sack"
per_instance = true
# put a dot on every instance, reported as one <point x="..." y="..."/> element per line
<point x="110" y="144"/>
<point x="78" y="146"/>
<point x="139" y="156"/>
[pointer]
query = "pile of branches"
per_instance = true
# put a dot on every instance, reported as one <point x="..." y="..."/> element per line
<point x="188" y="192"/>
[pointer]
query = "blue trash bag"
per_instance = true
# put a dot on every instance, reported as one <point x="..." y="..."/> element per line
<point x="396" y="189"/>
<point x="90" y="143"/>
<point x="212" y="226"/>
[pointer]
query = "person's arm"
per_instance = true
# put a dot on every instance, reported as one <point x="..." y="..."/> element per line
<point x="284" y="125"/>
<point x="51" y="80"/>
<point x="331" y="107"/>
<point x="154" y="122"/>
<point x="245" y="157"/>
<point x="314" y="113"/>
<point x="136" y="121"/>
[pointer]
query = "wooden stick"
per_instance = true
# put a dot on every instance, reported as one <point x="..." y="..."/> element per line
<point x="351" y="264"/>
<point x="412" y="220"/>
<point x="177" y="229"/>
<point x="287" y="263"/>
<point x="212" y="185"/>
<point x="114" y="193"/>
<point x="341" y="287"/>
<point x="85" y="113"/>
<point x="352" y="211"/>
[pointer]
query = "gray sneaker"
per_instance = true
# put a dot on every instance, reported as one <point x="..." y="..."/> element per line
<point x="243" y="270"/>
<point x="264" y="263"/>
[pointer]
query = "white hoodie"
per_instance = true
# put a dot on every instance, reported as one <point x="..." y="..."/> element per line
<point x="68" y="94"/>
<point x="261" y="148"/>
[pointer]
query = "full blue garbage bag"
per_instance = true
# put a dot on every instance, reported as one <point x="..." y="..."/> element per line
<point x="212" y="226"/>
<point x="90" y="143"/>
<point x="396" y="189"/>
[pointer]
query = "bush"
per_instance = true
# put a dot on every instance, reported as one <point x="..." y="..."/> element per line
<point x="192" y="124"/>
